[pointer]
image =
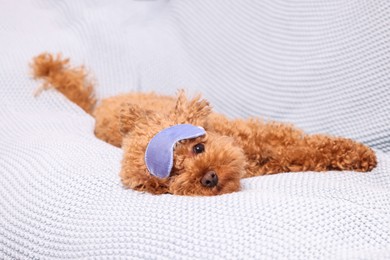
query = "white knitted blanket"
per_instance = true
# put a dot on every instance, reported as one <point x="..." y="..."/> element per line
<point x="323" y="65"/>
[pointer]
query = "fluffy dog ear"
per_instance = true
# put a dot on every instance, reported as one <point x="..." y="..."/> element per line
<point x="192" y="111"/>
<point x="133" y="115"/>
<point x="129" y="114"/>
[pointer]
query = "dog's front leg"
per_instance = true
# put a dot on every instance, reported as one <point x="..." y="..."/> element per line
<point x="314" y="153"/>
<point x="275" y="147"/>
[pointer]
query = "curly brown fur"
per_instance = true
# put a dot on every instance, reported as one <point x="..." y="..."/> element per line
<point x="72" y="82"/>
<point x="233" y="148"/>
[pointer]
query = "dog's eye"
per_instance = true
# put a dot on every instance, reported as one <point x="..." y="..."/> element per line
<point x="199" y="148"/>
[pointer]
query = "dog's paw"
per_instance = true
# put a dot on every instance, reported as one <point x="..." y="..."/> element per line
<point x="368" y="160"/>
<point x="363" y="159"/>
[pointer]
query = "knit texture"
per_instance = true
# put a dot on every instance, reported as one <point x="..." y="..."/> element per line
<point x="323" y="65"/>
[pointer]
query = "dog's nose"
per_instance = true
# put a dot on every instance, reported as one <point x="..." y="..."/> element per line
<point x="210" y="179"/>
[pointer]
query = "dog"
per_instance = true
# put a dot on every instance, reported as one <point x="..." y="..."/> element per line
<point x="179" y="146"/>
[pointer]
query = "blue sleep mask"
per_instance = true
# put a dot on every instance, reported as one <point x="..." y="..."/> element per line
<point x="159" y="152"/>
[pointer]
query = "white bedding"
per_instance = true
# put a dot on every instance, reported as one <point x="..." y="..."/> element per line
<point x="323" y="65"/>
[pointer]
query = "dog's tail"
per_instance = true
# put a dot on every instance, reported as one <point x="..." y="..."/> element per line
<point x="73" y="82"/>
